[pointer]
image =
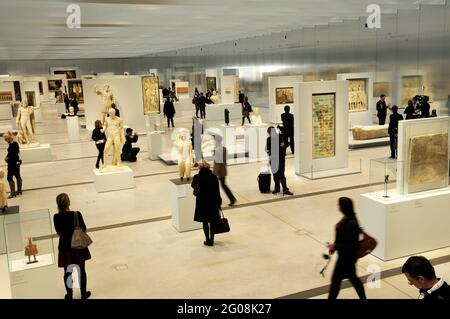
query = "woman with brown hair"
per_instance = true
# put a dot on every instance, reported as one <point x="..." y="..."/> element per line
<point x="99" y="137"/>
<point x="69" y="258"/>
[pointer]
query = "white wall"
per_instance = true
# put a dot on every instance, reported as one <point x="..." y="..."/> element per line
<point x="366" y="117"/>
<point x="127" y="91"/>
<point x="227" y="82"/>
<point x="303" y="131"/>
<point x="280" y="82"/>
<point x="398" y="83"/>
<point x="45" y="96"/>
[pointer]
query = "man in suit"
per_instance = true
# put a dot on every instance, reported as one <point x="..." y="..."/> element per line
<point x="393" y="130"/>
<point x="202" y="105"/>
<point x="382" y="109"/>
<point x="288" y="124"/>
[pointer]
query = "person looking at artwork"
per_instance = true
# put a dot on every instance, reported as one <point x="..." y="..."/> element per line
<point x="169" y="111"/>
<point x="129" y="153"/>
<point x="393" y="130"/>
<point x="433" y="113"/>
<point x="277" y="159"/>
<point x="246" y="110"/>
<point x="99" y="137"/>
<point x="288" y="123"/>
<point x="220" y="167"/>
<point x="202" y="105"/>
<point x="196" y="139"/>
<point x="346" y="244"/>
<point x="409" y="110"/>
<point x="13" y="163"/>
<point x="74" y="104"/>
<point x="421" y="274"/>
<point x="64" y="222"/>
<point x="207" y="200"/>
<point x="66" y="102"/>
<point x="382" y="109"/>
<point x="424" y="107"/>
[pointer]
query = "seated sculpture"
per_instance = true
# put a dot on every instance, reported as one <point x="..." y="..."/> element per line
<point x="369" y="132"/>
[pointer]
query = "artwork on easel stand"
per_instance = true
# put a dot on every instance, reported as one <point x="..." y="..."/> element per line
<point x="323" y="125"/>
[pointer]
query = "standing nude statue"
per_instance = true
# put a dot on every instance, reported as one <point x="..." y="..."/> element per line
<point x="113" y="128"/>
<point x="26" y="124"/>
<point x="184" y="148"/>
<point x="107" y="99"/>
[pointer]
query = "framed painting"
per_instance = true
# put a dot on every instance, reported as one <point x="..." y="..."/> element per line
<point x="17" y="91"/>
<point x="41" y="88"/>
<point x="358" y="100"/>
<point x="75" y="88"/>
<point x="31" y="98"/>
<point x="69" y="72"/>
<point x="6" y="97"/>
<point x="323" y="125"/>
<point x="54" y="85"/>
<point x="284" y="95"/>
<point x="211" y="83"/>
<point x="150" y="93"/>
<point x="182" y="90"/>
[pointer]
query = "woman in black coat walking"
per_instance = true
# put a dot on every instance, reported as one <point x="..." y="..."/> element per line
<point x="208" y="200"/>
<point x="169" y="111"/>
<point x="68" y="257"/>
<point x="346" y="244"/>
<point x="99" y="138"/>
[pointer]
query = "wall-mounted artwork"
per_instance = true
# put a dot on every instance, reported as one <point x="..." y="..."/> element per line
<point x="211" y="83"/>
<point x="236" y="89"/>
<point x="428" y="162"/>
<point x="31" y="98"/>
<point x="284" y="95"/>
<point x="323" y="125"/>
<point x="411" y="86"/>
<point x="54" y="85"/>
<point x="69" y="72"/>
<point x="358" y="100"/>
<point x="41" y="88"/>
<point x="182" y="90"/>
<point x="17" y="92"/>
<point x="75" y="88"/>
<point x="381" y="88"/>
<point x="150" y="92"/>
<point x="6" y="97"/>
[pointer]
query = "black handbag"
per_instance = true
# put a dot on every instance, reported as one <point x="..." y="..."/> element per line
<point x="221" y="225"/>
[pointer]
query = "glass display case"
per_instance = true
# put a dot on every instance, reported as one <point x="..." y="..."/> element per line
<point x="31" y="254"/>
<point x="383" y="178"/>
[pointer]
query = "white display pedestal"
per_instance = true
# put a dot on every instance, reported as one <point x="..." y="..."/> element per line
<point x="183" y="206"/>
<point x="216" y="112"/>
<point x="406" y="225"/>
<point x="43" y="153"/>
<point x="228" y="134"/>
<point x="5" y="112"/>
<point x="154" y="144"/>
<point x="73" y="128"/>
<point x="256" y="137"/>
<point x="275" y="112"/>
<point x="60" y="109"/>
<point x="113" y="181"/>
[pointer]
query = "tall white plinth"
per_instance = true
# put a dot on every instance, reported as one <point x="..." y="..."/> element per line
<point x="228" y="134"/>
<point x="60" y="109"/>
<point x="5" y="112"/>
<point x="42" y="153"/>
<point x="406" y="225"/>
<point x="255" y="140"/>
<point x="113" y="181"/>
<point x="73" y="128"/>
<point x="183" y="206"/>
<point x="154" y="144"/>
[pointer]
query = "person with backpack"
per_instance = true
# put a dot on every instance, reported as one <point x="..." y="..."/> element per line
<point x="347" y="245"/>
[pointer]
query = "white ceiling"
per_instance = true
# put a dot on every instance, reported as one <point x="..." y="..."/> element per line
<point x="33" y="29"/>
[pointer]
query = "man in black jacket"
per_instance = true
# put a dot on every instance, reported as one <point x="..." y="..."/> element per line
<point x="382" y="109"/>
<point x="393" y="130"/>
<point x="14" y="162"/>
<point x="129" y="153"/>
<point x="202" y="105"/>
<point x="420" y="273"/>
<point x="288" y="124"/>
<point x="169" y="111"/>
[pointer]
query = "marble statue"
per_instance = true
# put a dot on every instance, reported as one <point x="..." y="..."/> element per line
<point x="3" y="196"/>
<point x="71" y="111"/>
<point x="113" y="128"/>
<point x="256" y="116"/>
<point x="26" y="125"/>
<point x="107" y="99"/>
<point x="31" y="250"/>
<point x="184" y="148"/>
<point x="215" y="98"/>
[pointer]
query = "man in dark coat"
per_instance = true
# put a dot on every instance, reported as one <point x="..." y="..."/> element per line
<point x="382" y="109"/>
<point x="66" y="102"/>
<point x="393" y="130"/>
<point x="288" y="123"/>
<point x="169" y="111"/>
<point x="202" y="105"/>
<point x="74" y="104"/>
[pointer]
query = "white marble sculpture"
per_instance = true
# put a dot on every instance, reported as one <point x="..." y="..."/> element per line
<point x="256" y="116"/>
<point x="215" y="98"/>
<point x="71" y="111"/>
<point x="184" y="148"/>
<point x="26" y="125"/>
<point x="115" y="138"/>
<point x="107" y="99"/>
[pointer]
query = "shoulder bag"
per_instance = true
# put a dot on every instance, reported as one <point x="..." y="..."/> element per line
<point x="80" y="240"/>
<point x="222" y="225"/>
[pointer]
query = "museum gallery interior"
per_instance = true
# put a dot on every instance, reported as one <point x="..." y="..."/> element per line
<point x="121" y="119"/>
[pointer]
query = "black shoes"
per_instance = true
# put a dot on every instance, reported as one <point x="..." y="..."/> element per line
<point x="276" y="191"/>
<point x="232" y="202"/>
<point x="208" y="243"/>
<point x="86" y="295"/>
<point x="287" y="193"/>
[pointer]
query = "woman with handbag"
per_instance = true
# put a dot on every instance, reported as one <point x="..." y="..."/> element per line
<point x="67" y="223"/>
<point x="347" y="245"/>
<point x="208" y="200"/>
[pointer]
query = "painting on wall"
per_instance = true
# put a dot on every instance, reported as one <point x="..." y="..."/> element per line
<point x="236" y="89"/>
<point x="284" y="95"/>
<point x="357" y="95"/>
<point x="17" y="92"/>
<point x="54" y="85"/>
<point x="428" y="162"/>
<point x="182" y="90"/>
<point x="69" y="72"/>
<point x="31" y="98"/>
<point x="150" y="92"/>
<point x="41" y="88"/>
<point x="75" y="88"/>
<point x="411" y="86"/>
<point x="6" y="97"/>
<point x="211" y="83"/>
<point x="381" y="88"/>
<point x="323" y="125"/>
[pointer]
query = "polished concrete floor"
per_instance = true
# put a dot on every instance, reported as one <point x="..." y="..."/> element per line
<point x="274" y="248"/>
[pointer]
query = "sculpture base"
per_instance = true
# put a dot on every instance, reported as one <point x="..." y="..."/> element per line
<point x="39" y="153"/>
<point x="31" y="145"/>
<point x="113" y="179"/>
<point x="32" y="262"/>
<point x="73" y="128"/>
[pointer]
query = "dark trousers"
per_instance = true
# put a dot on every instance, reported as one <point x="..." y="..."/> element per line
<point x="170" y="120"/>
<point x="82" y="280"/>
<point x="101" y="148"/>
<point x="246" y="117"/>
<point x="291" y="142"/>
<point x="209" y="231"/>
<point x="393" y="139"/>
<point x="381" y="119"/>
<point x="131" y="156"/>
<point x="196" y="110"/>
<point x="279" y="178"/>
<point x="202" y="112"/>
<point x="227" y="190"/>
<point x="13" y="171"/>
<point x="345" y="269"/>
